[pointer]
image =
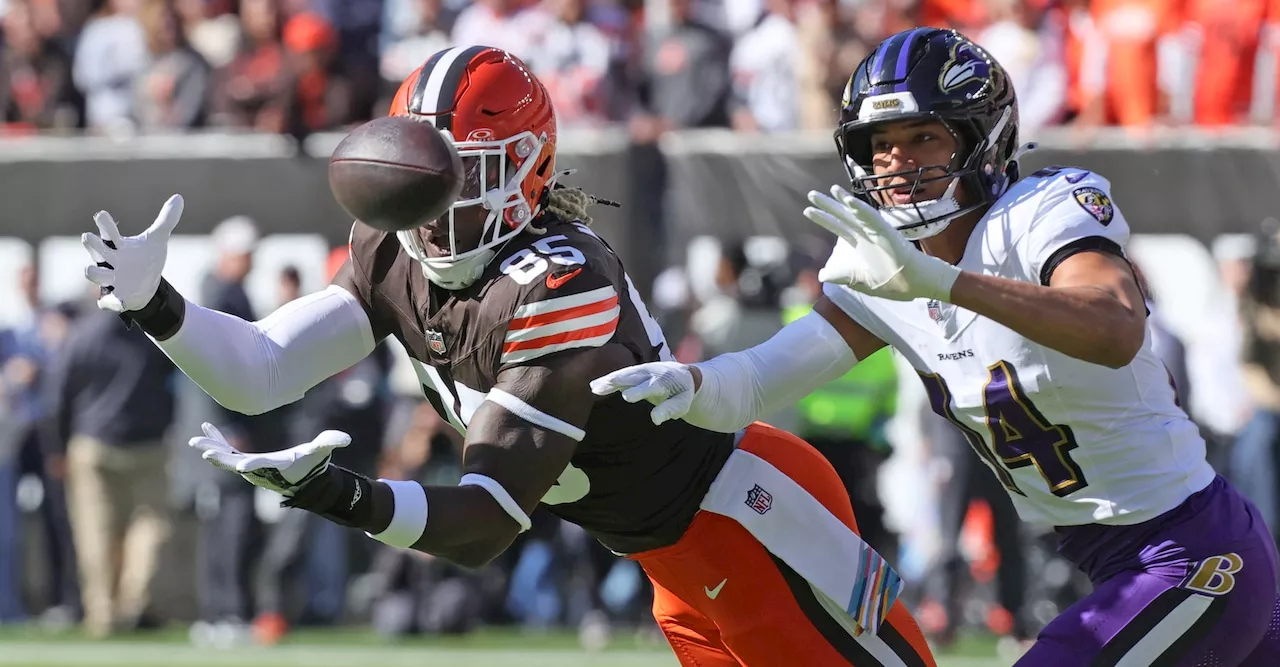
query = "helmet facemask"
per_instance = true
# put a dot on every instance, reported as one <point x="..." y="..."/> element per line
<point x="493" y="200"/>
<point x="921" y="219"/>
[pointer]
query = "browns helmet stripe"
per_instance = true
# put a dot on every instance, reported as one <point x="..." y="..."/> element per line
<point x="449" y="89"/>
<point x="420" y="86"/>
<point x="436" y="91"/>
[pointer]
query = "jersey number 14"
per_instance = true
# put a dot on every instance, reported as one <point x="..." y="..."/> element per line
<point x="1019" y="435"/>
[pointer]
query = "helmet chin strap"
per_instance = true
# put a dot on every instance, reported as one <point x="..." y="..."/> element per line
<point x="938" y="212"/>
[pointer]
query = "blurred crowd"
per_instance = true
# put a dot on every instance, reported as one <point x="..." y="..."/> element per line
<point x="300" y="66"/>
<point x="107" y="519"/>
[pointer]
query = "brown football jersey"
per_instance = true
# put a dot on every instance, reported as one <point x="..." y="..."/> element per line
<point x="633" y="485"/>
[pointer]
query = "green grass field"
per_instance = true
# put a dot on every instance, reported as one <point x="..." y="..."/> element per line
<point x="360" y="649"/>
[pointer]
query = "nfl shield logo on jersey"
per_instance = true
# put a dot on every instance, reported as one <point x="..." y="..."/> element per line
<point x="435" y="341"/>
<point x="759" y="500"/>
<point x="935" y="310"/>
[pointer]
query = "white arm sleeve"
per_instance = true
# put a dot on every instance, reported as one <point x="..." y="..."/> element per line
<point x="255" y="367"/>
<point x="739" y="387"/>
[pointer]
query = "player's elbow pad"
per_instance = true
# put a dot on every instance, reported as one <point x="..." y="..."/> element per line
<point x="741" y="387"/>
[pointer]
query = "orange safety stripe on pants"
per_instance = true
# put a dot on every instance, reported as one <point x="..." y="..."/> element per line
<point x="722" y="599"/>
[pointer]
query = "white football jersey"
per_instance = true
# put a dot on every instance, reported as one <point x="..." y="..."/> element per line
<point x="1073" y="442"/>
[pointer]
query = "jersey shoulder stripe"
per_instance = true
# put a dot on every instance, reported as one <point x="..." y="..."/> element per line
<point x="588" y="319"/>
<point x="558" y="307"/>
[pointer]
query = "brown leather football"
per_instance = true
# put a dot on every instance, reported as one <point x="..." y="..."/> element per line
<point x="395" y="173"/>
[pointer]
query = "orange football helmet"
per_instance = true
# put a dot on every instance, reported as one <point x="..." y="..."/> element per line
<point x="501" y="121"/>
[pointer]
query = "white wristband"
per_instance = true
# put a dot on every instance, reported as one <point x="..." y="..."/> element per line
<point x="499" y="494"/>
<point x="409" y="519"/>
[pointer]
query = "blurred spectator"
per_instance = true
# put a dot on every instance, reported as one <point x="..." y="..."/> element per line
<point x="573" y="59"/>
<point x="211" y="30"/>
<point x="684" y="79"/>
<point x="1256" y="455"/>
<point x="26" y="352"/>
<point x="421" y="29"/>
<point x="736" y="17"/>
<point x="1030" y="49"/>
<point x="1221" y="403"/>
<point x="228" y="536"/>
<point x="19" y="406"/>
<point x="36" y="90"/>
<point x="253" y="92"/>
<point x="110" y="404"/>
<point x="505" y="24"/>
<point x="419" y="593"/>
<point x="763" y="64"/>
<point x="322" y="98"/>
<point x="1166" y="344"/>
<point x="64" y="19"/>
<point x="1226" y="33"/>
<point x="289" y="286"/>
<point x="829" y="50"/>
<point x="356" y="401"/>
<point x="1267" y="95"/>
<point x="1084" y="54"/>
<point x="744" y="310"/>
<point x="1119" y="73"/>
<point x="964" y="482"/>
<point x="11" y="607"/>
<point x="964" y="15"/>
<point x="173" y="91"/>
<point x="21" y="357"/>
<point x="358" y="23"/>
<point x="110" y="54"/>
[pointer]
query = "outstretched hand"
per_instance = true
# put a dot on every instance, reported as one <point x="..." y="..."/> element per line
<point x="128" y="268"/>
<point x="875" y="258"/>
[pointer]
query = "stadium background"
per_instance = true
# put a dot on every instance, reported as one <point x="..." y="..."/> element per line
<point x="708" y="120"/>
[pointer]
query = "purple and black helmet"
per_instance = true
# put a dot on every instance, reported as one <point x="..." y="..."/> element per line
<point x="942" y="75"/>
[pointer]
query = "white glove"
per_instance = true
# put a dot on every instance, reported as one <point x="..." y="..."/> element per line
<point x="881" y="261"/>
<point x="284" y="471"/>
<point x="135" y="263"/>
<point x="668" y="385"/>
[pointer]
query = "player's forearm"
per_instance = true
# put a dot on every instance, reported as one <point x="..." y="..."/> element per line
<point x="737" y="388"/>
<point x="463" y="524"/>
<point x="1088" y="323"/>
<point x="466" y="526"/>
<point x="254" y="367"/>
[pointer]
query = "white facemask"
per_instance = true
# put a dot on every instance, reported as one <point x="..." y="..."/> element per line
<point x="502" y="200"/>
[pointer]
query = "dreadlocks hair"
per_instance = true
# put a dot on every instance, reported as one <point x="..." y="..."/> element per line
<point x="568" y="204"/>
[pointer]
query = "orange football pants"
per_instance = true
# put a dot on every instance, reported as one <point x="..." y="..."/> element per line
<point x="724" y="600"/>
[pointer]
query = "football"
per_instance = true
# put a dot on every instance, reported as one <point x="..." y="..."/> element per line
<point x="395" y="173"/>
